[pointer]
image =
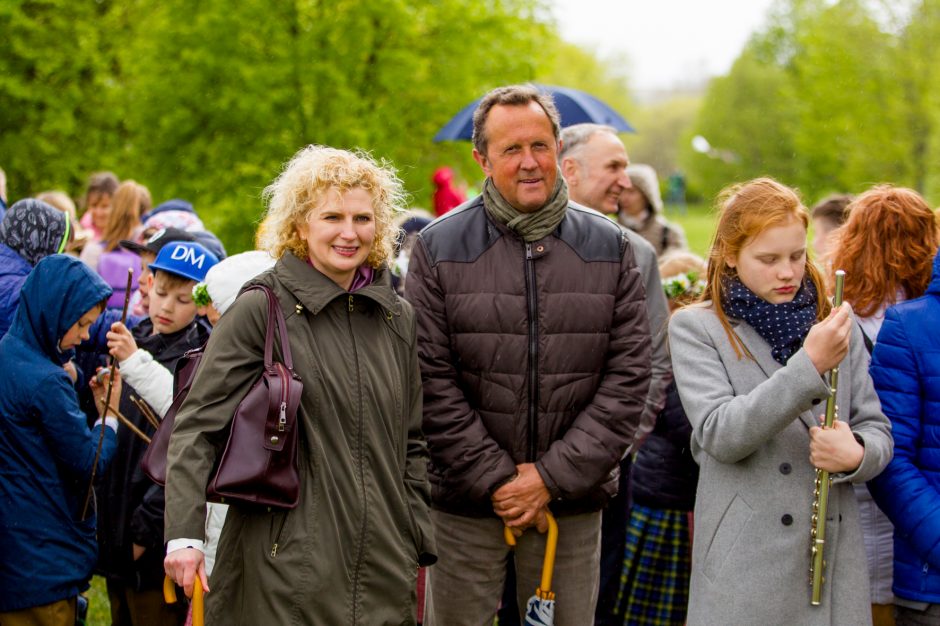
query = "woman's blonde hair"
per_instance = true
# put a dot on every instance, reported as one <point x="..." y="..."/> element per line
<point x="130" y="201"/>
<point x="745" y="210"/>
<point x="60" y="200"/>
<point x="887" y="245"/>
<point x="303" y="186"/>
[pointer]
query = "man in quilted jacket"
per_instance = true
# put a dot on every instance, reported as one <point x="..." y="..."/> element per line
<point x="535" y="355"/>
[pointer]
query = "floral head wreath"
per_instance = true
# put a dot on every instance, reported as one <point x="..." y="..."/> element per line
<point x="201" y="295"/>
<point x="686" y="286"/>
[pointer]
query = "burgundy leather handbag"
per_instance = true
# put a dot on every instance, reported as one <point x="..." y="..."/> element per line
<point x="259" y="463"/>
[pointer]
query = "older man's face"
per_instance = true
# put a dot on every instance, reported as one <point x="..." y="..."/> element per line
<point x="520" y="155"/>
<point x="598" y="173"/>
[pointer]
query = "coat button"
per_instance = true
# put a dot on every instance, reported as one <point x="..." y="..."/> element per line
<point x="787" y="519"/>
<point x="785" y="468"/>
<point x="540" y="248"/>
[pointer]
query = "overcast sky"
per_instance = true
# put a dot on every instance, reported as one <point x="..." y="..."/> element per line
<point x="669" y="43"/>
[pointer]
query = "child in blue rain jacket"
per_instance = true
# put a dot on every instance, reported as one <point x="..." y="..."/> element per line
<point x="47" y="450"/>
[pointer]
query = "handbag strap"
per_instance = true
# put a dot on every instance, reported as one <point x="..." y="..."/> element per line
<point x="275" y="319"/>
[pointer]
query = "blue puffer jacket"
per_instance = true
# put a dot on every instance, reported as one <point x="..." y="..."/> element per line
<point x="13" y="272"/>
<point x="46" y="449"/>
<point x="906" y="370"/>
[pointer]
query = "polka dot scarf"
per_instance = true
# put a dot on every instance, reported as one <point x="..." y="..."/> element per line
<point x="783" y="326"/>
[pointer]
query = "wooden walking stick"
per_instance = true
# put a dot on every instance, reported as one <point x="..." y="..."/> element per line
<point x="146" y="411"/>
<point x="107" y="398"/>
<point x="124" y="420"/>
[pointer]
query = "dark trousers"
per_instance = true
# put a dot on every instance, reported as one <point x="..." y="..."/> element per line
<point x="465" y="584"/>
<point x="904" y="616"/>
<point x="143" y="608"/>
<point x="60" y="613"/>
<point x="613" y="543"/>
<point x="508" y="613"/>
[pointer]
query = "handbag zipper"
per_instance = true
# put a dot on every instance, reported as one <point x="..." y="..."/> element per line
<point x="285" y="393"/>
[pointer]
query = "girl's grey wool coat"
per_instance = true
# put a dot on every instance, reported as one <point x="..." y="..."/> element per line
<point x="750" y="436"/>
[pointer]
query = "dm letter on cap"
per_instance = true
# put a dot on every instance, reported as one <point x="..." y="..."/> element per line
<point x="185" y="253"/>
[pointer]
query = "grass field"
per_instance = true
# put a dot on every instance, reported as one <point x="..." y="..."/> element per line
<point x="99" y="609"/>
<point x="698" y="221"/>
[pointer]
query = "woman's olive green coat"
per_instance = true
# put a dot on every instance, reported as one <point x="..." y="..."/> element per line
<point x="348" y="553"/>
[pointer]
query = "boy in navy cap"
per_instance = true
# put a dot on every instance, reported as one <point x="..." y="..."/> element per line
<point x="148" y="251"/>
<point x="130" y="517"/>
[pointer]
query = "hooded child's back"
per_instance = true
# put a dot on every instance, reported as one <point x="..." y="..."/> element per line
<point x="46" y="448"/>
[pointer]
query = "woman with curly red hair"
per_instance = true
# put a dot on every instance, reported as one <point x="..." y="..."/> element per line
<point x="886" y="248"/>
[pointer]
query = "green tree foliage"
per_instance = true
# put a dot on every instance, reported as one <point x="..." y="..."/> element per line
<point x="663" y="130"/>
<point x="829" y="97"/>
<point x="921" y="79"/>
<point x="206" y="99"/>
<point x="570" y="65"/>
<point x="852" y="128"/>
<point x="234" y="89"/>
<point x="748" y="117"/>
<point x="60" y="111"/>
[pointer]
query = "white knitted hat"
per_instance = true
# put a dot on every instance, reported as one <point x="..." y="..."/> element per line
<point x="225" y="279"/>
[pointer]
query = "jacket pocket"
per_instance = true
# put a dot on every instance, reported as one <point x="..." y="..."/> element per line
<point x="278" y="523"/>
<point x="729" y="529"/>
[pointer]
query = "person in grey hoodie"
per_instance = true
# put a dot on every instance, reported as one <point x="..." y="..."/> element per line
<point x="641" y="210"/>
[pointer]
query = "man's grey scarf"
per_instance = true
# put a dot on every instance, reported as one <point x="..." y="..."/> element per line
<point x="530" y="226"/>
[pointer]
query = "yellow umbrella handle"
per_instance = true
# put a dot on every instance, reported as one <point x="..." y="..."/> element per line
<point x="551" y="545"/>
<point x="169" y="590"/>
<point x="169" y="594"/>
<point x="199" y="616"/>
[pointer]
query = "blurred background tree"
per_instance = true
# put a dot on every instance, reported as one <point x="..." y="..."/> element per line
<point x="830" y="97"/>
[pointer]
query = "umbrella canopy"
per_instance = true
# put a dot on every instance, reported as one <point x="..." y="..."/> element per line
<point x="575" y="107"/>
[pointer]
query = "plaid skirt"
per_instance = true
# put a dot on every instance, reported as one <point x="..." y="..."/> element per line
<point x="654" y="583"/>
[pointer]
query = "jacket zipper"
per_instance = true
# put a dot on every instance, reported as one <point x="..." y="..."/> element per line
<point x="277" y="537"/>
<point x="362" y="479"/>
<point x="282" y="427"/>
<point x="532" y="308"/>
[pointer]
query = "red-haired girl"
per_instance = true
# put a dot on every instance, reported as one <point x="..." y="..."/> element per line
<point x="748" y="362"/>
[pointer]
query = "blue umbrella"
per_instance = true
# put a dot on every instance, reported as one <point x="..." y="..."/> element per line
<point x="540" y="609"/>
<point x="576" y="107"/>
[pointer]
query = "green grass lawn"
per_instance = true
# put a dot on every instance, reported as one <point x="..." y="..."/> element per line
<point x="698" y="221"/>
<point x="99" y="609"/>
